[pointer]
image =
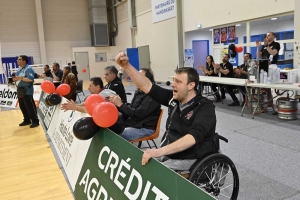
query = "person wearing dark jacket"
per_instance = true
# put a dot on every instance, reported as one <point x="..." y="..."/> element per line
<point x="114" y="82"/>
<point x="141" y="115"/>
<point x="191" y="119"/>
<point x="74" y="70"/>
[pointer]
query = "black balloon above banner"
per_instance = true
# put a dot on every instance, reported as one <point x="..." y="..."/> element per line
<point x="53" y="99"/>
<point x="85" y="128"/>
<point x="119" y="126"/>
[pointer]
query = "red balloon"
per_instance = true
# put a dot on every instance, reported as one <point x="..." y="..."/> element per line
<point x="105" y="114"/>
<point x="91" y="102"/>
<point x="63" y="89"/>
<point x="238" y="49"/>
<point x="48" y="87"/>
<point x="83" y="70"/>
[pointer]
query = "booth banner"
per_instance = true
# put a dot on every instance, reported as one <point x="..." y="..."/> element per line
<point x="112" y="170"/>
<point x="108" y="167"/>
<point x="163" y="9"/>
<point x="46" y="113"/>
<point x="9" y="98"/>
<point x="70" y="150"/>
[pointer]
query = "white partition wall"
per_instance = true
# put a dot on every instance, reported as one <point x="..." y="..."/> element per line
<point x="18" y="29"/>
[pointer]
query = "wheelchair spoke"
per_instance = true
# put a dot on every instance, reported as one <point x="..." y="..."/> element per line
<point x="208" y="177"/>
<point x="226" y="187"/>
<point x="222" y="178"/>
<point x="225" y="196"/>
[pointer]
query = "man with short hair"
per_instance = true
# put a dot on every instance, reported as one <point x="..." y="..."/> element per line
<point x="245" y="71"/>
<point x="95" y="87"/>
<point x="226" y="70"/>
<point x="47" y="72"/>
<point x="191" y="122"/>
<point x="269" y="50"/>
<point x="24" y="79"/>
<point x="56" y="72"/>
<point x="114" y="83"/>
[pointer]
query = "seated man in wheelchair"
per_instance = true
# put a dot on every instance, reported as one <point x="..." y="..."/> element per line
<point x="191" y="123"/>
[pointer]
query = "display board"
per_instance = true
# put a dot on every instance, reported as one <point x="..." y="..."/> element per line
<point x="109" y="167"/>
<point x="9" y="98"/>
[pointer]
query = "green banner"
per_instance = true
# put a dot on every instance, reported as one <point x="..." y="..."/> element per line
<point x="112" y="170"/>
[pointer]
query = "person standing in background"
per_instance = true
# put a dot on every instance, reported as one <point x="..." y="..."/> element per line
<point x="24" y="79"/>
<point x="269" y="50"/>
<point x="74" y="70"/>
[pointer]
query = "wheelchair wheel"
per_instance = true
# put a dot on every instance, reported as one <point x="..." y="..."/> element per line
<point x="217" y="175"/>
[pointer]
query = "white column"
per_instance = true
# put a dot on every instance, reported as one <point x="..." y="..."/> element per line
<point x="1" y="68"/>
<point x="248" y="36"/>
<point x="297" y="39"/>
<point x="40" y="25"/>
<point x="180" y="33"/>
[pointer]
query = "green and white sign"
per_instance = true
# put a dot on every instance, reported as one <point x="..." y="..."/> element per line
<point x="107" y="167"/>
<point x="112" y="170"/>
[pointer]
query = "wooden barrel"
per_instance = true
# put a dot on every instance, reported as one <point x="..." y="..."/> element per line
<point x="287" y="109"/>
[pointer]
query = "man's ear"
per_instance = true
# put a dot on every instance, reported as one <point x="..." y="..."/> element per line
<point x="191" y="86"/>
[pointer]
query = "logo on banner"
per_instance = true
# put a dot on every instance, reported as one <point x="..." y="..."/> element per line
<point x="8" y="94"/>
<point x="71" y="116"/>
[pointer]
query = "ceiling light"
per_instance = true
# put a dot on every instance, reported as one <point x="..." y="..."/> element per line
<point x="274" y="18"/>
<point x="238" y="25"/>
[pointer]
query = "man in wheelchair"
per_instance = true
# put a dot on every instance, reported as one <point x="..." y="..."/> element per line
<point x="191" y="122"/>
<point x="190" y="129"/>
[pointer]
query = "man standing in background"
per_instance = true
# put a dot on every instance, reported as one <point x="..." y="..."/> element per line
<point x="269" y="50"/>
<point x="24" y="80"/>
<point x="74" y="70"/>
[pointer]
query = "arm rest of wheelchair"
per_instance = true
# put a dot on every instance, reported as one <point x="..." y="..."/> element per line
<point x="223" y="138"/>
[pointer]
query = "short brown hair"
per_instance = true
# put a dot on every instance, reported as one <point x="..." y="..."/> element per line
<point x="192" y="74"/>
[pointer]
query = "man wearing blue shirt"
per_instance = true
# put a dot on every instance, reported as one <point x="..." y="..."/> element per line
<point x="24" y="79"/>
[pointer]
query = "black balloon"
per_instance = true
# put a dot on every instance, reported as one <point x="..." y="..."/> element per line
<point x="85" y="128"/>
<point x="54" y="99"/>
<point x="232" y="53"/>
<point x="119" y="126"/>
<point x="47" y="101"/>
<point x="231" y="47"/>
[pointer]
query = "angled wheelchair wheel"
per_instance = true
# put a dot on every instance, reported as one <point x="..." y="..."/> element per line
<point x="217" y="175"/>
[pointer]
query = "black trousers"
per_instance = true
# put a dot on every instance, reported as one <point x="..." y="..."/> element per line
<point x="228" y="89"/>
<point x="28" y="109"/>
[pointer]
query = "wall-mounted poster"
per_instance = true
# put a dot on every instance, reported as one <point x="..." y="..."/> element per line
<point x="188" y="57"/>
<point x="231" y="34"/>
<point x="217" y="36"/>
<point x="224" y="35"/>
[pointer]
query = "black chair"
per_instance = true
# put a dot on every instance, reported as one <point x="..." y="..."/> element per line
<point x="79" y="87"/>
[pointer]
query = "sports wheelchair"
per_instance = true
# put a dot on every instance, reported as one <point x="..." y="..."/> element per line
<point x="216" y="174"/>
